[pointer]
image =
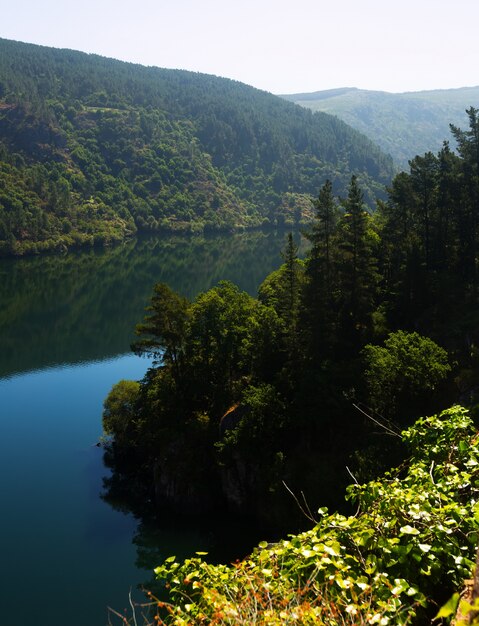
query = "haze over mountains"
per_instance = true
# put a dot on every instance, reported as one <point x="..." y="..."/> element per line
<point x="93" y="149"/>
<point x="402" y="124"/>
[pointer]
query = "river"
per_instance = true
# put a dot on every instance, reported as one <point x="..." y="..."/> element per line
<point x="66" y="323"/>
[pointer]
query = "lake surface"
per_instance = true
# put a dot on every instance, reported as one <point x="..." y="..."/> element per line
<point x="66" y="324"/>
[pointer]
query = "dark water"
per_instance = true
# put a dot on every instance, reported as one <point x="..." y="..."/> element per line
<point x="65" y="328"/>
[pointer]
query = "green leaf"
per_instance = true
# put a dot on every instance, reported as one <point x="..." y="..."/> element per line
<point x="425" y="547"/>
<point x="334" y="549"/>
<point x="307" y="554"/>
<point x="449" y="608"/>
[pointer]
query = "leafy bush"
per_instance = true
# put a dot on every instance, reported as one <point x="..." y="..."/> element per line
<point x="410" y="544"/>
<point x="405" y="368"/>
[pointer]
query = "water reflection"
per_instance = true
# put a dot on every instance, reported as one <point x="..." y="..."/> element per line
<point x="83" y="307"/>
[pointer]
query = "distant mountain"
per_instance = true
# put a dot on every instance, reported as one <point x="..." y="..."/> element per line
<point x="92" y="149"/>
<point x="402" y="124"/>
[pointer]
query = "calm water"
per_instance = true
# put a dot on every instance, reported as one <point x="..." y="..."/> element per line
<point x="65" y="328"/>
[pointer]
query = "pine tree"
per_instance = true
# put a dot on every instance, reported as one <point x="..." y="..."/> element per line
<point x="318" y="293"/>
<point x="291" y="299"/>
<point x="468" y="224"/>
<point x="356" y="267"/>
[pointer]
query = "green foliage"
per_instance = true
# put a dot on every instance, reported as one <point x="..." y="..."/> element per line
<point x="356" y="268"/>
<point x="163" y="330"/>
<point x="282" y="290"/>
<point x="341" y="286"/>
<point x="410" y="544"/>
<point x="210" y="352"/>
<point x="226" y="356"/>
<point x="119" y="408"/>
<point x="271" y="387"/>
<point x="429" y="234"/>
<point x="261" y="421"/>
<point x="220" y="349"/>
<point x="318" y="296"/>
<point x="92" y="150"/>
<point x="406" y="367"/>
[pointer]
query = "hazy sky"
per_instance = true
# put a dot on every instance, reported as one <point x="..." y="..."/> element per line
<point x="278" y="45"/>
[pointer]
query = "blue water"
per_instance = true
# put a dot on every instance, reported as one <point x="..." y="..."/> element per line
<point x="61" y="545"/>
<point x="65" y="328"/>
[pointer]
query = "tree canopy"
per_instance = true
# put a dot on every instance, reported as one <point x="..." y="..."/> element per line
<point x="93" y="150"/>
<point x="380" y="316"/>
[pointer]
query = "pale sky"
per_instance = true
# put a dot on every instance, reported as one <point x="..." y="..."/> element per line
<point x="282" y="46"/>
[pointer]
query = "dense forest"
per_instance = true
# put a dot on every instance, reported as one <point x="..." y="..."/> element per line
<point x="93" y="150"/>
<point x="270" y="405"/>
<point x="401" y="124"/>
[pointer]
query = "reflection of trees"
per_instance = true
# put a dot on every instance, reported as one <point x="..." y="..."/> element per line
<point x="84" y="306"/>
<point x="161" y="534"/>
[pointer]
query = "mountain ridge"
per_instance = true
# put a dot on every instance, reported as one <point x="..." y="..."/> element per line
<point x="93" y="149"/>
<point x="403" y="124"/>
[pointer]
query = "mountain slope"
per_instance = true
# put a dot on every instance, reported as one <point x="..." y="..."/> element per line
<point x="402" y="124"/>
<point x="92" y="149"/>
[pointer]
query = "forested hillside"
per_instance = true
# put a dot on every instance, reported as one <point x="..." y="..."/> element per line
<point x="402" y="124"/>
<point x="269" y="406"/>
<point x="382" y="314"/>
<point x="93" y="149"/>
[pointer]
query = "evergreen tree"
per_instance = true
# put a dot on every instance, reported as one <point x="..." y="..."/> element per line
<point x="446" y="252"/>
<point x="468" y="224"/>
<point x="468" y="140"/>
<point x="282" y="291"/>
<point x="423" y="176"/>
<point x="356" y="267"/>
<point x="318" y="293"/>
<point x="289" y="307"/>
<point x="163" y="331"/>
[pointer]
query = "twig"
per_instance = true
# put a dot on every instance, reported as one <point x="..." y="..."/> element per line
<point x="307" y="508"/>
<point x="305" y="513"/>
<point x="132" y="608"/>
<point x="355" y="480"/>
<point x="377" y="422"/>
<point x="122" y="617"/>
<point x="352" y="475"/>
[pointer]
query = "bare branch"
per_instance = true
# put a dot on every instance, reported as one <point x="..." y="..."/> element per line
<point x="306" y="513"/>
<point x="388" y="430"/>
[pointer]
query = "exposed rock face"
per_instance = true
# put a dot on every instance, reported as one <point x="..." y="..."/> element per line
<point x="188" y="479"/>
<point x="235" y="477"/>
<point x="184" y="479"/>
<point x="236" y="484"/>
